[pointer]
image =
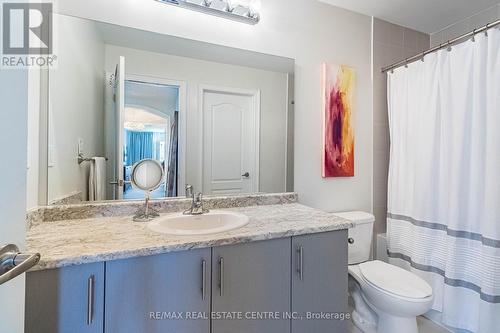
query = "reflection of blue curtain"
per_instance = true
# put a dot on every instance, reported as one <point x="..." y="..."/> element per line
<point x="139" y="145"/>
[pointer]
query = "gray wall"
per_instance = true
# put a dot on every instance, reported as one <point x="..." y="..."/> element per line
<point x="468" y="24"/>
<point x="391" y="43"/>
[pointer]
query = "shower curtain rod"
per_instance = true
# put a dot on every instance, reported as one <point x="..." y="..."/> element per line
<point x="441" y="46"/>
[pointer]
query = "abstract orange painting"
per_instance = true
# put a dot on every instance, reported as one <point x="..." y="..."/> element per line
<point x="338" y="136"/>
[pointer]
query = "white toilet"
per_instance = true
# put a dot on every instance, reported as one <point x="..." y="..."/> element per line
<point x="387" y="298"/>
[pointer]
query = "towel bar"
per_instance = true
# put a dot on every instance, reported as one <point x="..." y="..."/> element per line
<point x="82" y="159"/>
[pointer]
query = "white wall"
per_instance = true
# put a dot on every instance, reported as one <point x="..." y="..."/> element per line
<point x="309" y="31"/>
<point x="193" y="72"/>
<point x="13" y="140"/>
<point x="32" y="171"/>
<point x="76" y="105"/>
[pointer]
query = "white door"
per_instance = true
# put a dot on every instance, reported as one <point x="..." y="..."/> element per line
<point x="230" y="141"/>
<point x="13" y="140"/>
<point x="119" y="98"/>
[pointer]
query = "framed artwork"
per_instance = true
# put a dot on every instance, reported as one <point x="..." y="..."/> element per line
<point x="338" y="83"/>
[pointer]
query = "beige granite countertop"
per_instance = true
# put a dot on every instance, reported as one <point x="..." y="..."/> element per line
<point x="73" y="242"/>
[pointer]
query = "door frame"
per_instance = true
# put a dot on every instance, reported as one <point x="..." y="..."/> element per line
<point x="255" y="95"/>
<point x="181" y="139"/>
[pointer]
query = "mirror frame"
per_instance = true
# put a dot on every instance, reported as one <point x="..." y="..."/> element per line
<point x="135" y="168"/>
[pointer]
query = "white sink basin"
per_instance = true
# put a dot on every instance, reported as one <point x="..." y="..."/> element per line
<point x="209" y="223"/>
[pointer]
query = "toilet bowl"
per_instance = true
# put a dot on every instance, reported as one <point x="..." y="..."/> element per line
<point x="394" y="294"/>
<point x="387" y="298"/>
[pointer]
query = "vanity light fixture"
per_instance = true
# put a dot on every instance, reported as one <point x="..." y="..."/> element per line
<point x="245" y="11"/>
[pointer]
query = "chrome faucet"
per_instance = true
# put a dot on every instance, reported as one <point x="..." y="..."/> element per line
<point x="196" y="203"/>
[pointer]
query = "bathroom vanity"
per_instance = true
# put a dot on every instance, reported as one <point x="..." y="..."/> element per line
<point x="109" y="274"/>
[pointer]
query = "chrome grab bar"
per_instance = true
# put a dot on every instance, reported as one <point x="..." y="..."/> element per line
<point x="13" y="263"/>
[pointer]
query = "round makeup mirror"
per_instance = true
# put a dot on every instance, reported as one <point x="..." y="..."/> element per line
<point x="147" y="175"/>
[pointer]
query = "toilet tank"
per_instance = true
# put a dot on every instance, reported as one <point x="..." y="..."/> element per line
<point x="360" y="236"/>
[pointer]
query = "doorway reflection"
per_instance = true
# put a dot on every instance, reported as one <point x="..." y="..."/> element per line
<point x="150" y="130"/>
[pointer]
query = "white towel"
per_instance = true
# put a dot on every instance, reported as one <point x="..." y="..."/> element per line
<point x="97" y="179"/>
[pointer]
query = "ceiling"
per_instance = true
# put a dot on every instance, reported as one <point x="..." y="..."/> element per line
<point x="427" y="16"/>
<point x="160" y="43"/>
<point x="136" y="115"/>
<point x="162" y="98"/>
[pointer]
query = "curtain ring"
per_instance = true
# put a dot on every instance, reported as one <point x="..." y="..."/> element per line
<point x="423" y="56"/>
<point x="449" y="46"/>
<point x="406" y="63"/>
<point x="474" y="35"/>
<point x="486" y="29"/>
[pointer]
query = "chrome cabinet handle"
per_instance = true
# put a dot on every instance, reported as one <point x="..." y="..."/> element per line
<point x="300" y="266"/>
<point x="203" y="278"/>
<point x="13" y="263"/>
<point x="90" y="300"/>
<point x="221" y="276"/>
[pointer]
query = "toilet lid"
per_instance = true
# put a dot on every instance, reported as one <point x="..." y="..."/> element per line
<point x="394" y="280"/>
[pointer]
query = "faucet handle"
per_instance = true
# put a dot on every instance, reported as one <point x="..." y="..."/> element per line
<point x="198" y="197"/>
<point x="189" y="191"/>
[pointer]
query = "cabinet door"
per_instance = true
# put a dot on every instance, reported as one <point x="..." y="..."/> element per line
<point x="69" y="299"/>
<point x="163" y="293"/>
<point x="249" y="280"/>
<point x="319" y="281"/>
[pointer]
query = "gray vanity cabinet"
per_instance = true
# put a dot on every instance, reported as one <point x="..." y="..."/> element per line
<point x="319" y="281"/>
<point x="251" y="277"/>
<point x="68" y="299"/>
<point x="157" y="293"/>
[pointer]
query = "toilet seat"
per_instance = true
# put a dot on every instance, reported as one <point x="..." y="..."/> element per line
<point x="394" y="280"/>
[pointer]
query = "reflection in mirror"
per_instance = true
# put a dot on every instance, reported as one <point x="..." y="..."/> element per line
<point x="216" y="117"/>
<point x="147" y="175"/>
<point x="150" y="131"/>
<point x="146" y="178"/>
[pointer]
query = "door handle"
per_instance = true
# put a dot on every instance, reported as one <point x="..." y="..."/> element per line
<point x="120" y="182"/>
<point x="13" y="263"/>
<point x="246" y="175"/>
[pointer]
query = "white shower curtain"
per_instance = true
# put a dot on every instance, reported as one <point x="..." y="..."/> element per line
<point x="444" y="178"/>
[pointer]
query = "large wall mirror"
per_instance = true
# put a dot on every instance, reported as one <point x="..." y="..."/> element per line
<point x="218" y="118"/>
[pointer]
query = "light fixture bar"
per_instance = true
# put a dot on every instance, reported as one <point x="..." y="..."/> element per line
<point x="250" y="18"/>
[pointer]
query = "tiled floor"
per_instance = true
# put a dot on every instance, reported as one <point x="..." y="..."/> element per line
<point x="424" y="326"/>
